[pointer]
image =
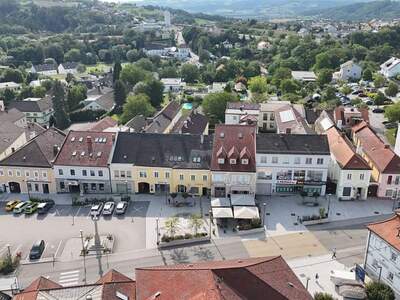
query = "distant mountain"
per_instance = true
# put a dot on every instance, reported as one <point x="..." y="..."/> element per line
<point x="359" y="11"/>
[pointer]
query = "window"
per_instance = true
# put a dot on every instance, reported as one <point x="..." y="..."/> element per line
<point x="274" y="160"/>
<point x="60" y="172"/>
<point x="101" y="186"/>
<point x="320" y="161"/>
<point x="390" y="276"/>
<point x="18" y="173"/>
<point x="396" y="180"/>
<point x="346" y="191"/>
<point x="272" y="117"/>
<point x="285" y="160"/>
<point x="192" y="177"/>
<point x="393" y="256"/>
<point x="27" y="174"/>
<point x="265" y="117"/>
<point x="362" y="176"/>
<point x="1" y="172"/>
<point x="36" y="174"/>
<point x="36" y="187"/>
<point x="10" y="173"/>
<point x="142" y="174"/>
<point x="30" y="186"/>
<point x="92" y="173"/>
<point x="299" y="175"/>
<point x="85" y="187"/>
<point x="314" y="175"/>
<point x="122" y="174"/>
<point x="264" y="175"/>
<point x="129" y="174"/>
<point x="221" y="161"/>
<point x="388" y="193"/>
<point x="245" y="161"/>
<point x="205" y="177"/>
<point x="349" y="176"/>
<point x="156" y="174"/>
<point x="181" y="177"/>
<point x="284" y="175"/>
<point x="389" y="180"/>
<point x="72" y="172"/>
<point x="263" y="159"/>
<point x="62" y="185"/>
<point x="100" y="173"/>
<point x="297" y="160"/>
<point x="167" y="175"/>
<point x="84" y="173"/>
<point x="196" y="159"/>
<point x="232" y="161"/>
<point x="308" y="161"/>
<point x="93" y="186"/>
<point x="44" y="174"/>
<point x="116" y="174"/>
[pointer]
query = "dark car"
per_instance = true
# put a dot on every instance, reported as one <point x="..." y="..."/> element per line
<point x="378" y="110"/>
<point x="37" y="250"/>
<point x="391" y="125"/>
<point x="43" y="208"/>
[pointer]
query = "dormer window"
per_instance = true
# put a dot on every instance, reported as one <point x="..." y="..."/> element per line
<point x="245" y="161"/>
<point x="232" y="161"/>
<point x="221" y="161"/>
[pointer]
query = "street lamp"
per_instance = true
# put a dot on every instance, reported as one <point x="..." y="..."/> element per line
<point x="27" y="188"/>
<point x="329" y="203"/>
<point x="308" y="279"/>
<point x="264" y="205"/>
<point x="210" y="213"/>
<point x="158" y="235"/>
<point x="84" y="256"/>
<point x="9" y="251"/>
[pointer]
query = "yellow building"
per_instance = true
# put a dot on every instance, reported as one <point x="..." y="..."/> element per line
<point x="29" y="169"/>
<point x="161" y="163"/>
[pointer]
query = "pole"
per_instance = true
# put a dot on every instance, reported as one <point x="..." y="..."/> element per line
<point x="308" y="279"/>
<point x="9" y="251"/>
<point x="209" y="213"/>
<point x="84" y="256"/>
<point x="27" y="188"/>
<point x="158" y="235"/>
<point x="380" y="273"/>
<point x="329" y="203"/>
<point x="265" y="207"/>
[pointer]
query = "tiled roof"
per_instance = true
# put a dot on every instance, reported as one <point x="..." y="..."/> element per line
<point x="137" y="123"/>
<point x="344" y="151"/>
<point x="69" y="65"/>
<point x="292" y="144"/>
<point x="95" y="147"/>
<point x="256" y="278"/>
<point x="42" y="283"/>
<point x="296" y="123"/>
<point x="388" y="230"/>
<point x="39" y="152"/>
<point x="45" y="67"/>
<point x="103" y="124"/>
<point x="163" y="150"/>
<point x="340" y="112"/>
<point x="243" y="105"/>
<point x="11" y="115"/>
<point x="33" y="105"/>
<point x="163" y="118"/>
<point x="9" y="132"/>
<point x="106" y="101"/>
<point x="239" y="136"/>
<point x="195" y="123"/>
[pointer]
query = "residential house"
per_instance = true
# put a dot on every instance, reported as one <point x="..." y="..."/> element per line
<point x="348" y="71"/>
<point x="29" y="169"/>
<point x="137" y="123"/>
<point x="288" y="120"/>
<point x="173" y="85"/>
<point x="233" y="163"/>
<point x="12" y="138"/>
<point x="291" y="163"/>
<point x="68" y="68"/>
<point x="36" y="110"/>
<point x="304" y="76"/>
<point x="100" y="102"/>
<point x="81" y="165"/>
<point x="98" y="126"/>
<point x="241" y="112"/>
<point x="350" y="172"/>
<point x="217" y="87"/>
<point x="385" y="164"/>
<point x="44" y="69"/>
<point x="12" y="115"/>
<point x="193" y="123"/>
<point x="11" y="85"/>
<point x="381" y="260"/>
<point x="161" y="163"/>
<point x="346" y="117"/>
<point x="390" y="68"/>
<point x="165" y="120"/>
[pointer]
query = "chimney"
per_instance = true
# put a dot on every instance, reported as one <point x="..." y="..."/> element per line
<point x="89" y="144"/>
<point x="55" y="150"/>
<point x="387" y="146"/>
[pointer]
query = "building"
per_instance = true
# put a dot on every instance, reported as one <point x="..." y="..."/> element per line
<point x="385" y="164"/>
<point x="288" y="120"/>
<point x="81" y="165"/>
<point x="254" y="278"/>
<point x="348" y="71"/>
<point x="29" y="169"/>
<point x="304" y="76"/>
<point x="383" y="252"/>
<point x="44" y="69"/>
<point x="194" y="123"/>
<point x="167" y="18"/>
<point x="292" y="163"/>
<point x="346" y="117"/>
<point x="348" y="169"/>
<point x="68" y="68"/>
<point x="11" y="85"/>
<point x="137" y="123"/>
<point x="12" y="115"/>
<point x="161" y="163"/>
<point x="240" y="112"/>
<point x="36" y="110"/>
<point x="100" y="102"/>
<point x="390" y="68"/>
<point x="233" y="163"/>
<point x="165" y="119"/>
<point x="263" y="45"/>
<point x="173" y="85"/>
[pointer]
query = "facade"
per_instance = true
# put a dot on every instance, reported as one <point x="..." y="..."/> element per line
<point x="346" y="117"/>
<point x="233" y="163"/>
<point x="291" y="163"/>
<point x="161" y="163"/>
<point x="44" y="69"/>
<point x="385" y="164"/>
<point x="11" y="85"/>
<point x="68" y="68"/>
<point x="236" y="112"/>
<point x="12" y="138"/>
<point x="348" y="169"/>
<point x="29" y="169"/>
<point x="390" y="68"/>
<point x="349" y="71"/>
<point x="383" y="252"/>
<point x="36" y="110"/>
<point x="81" y="165"/>
<point x="304" y="76"/>
<point x="173" y="85"/>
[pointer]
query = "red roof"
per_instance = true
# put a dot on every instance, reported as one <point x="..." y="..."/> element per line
<point x="255" y="278"/>
<point x="103" y="124"/>
<point x="86" y="148"/>
<point x="242" y="138"/>
<point x="388" y="230"/>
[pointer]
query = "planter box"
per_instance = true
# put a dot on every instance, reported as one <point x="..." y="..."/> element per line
<point x="205" y="239"/>
<point x="251" y="231"/>
<point x="315" y="222"/>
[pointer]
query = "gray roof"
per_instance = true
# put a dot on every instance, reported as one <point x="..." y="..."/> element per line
<point x="69" y="65"/>
<point x="195" y="123"/>
<point x="33" y="106"/>
<point x="9" y="132"/>
<point x="163" y="118"/>
<point x="11" y="115"/>
<point x="45" y="67"/>
<point x="106" y="101"/>
<point x="273" y="143"/>
<point x="137" y="123"/>
<point x="163" y="150"/>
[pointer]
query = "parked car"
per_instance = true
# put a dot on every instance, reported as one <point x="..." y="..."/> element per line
<point x="378" y="110"/>
<point x="391" y="125"/>
<point x="11" y="204"/>
<point x="44" y="207"/>
<point x="31" y="208"/>
<point x="362" y="95"/>
<point x="121" y="207"/>
<point x="388" y="102"/>
<point x="108" y="208"/>
<point x="96" y="209"/>
<point x="368" y="102"/>
<point x="37" y="250"/>
<point x="19" y="208"/>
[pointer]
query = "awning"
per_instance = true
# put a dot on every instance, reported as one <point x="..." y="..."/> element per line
<point x="242" y="199"/>
<point x="222" y="212"/>
<point x="220" y="202"/>
<point x="246" y="212"/>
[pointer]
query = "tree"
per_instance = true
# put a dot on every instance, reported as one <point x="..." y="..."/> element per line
<point x="61" y="118"/>
<point x="367" y="75"/>
<point x="136" y="105"/>
<point x="73" y="55"/>
<point x="120" y="93"/>
<point x="132" y="55"/>
<point x="117" y="71"/>
<point x="172" y="225"/>
<point x="324" y="76"/>
<point x="379" y="291"/>
<point x="379" y="81"/>
<point x="323" y="296"/>
<point x="379" y="99"/>
<point x="8" y="96"/>
<point x="196" y="222"/>
<point x="393" y="112"/>
<point x="258" y="84"/>
<point x="289" y="86"/>
<point x="12" y="75"/>
<point x="214" y="106"/>
<point x="75" y="95"/>
<point x="153" y="88"/>
<point x="69" y="78"/>
<point x="190" y="73"/>
<point x="168" y="72"/>
<point x="346" y="90"/>
<point x="392" y="89"/>
<point x="145" y="64"/>
<point x="280" y="74"/>
<point x="39" y="92"/>
<point x="132" y="74"/>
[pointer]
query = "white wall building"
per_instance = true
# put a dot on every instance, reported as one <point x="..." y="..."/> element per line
<point x="348" y="71"/>
<point x="390" y="68"/>
<point x="236" y="111"/>
<point x="174" y="85"/>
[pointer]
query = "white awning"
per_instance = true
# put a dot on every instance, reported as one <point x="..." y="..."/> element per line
<point x="242" y="199"/>
<point x="220" y="202"/>
<point x="246" y="212"/>
<point x="222" y="212"/>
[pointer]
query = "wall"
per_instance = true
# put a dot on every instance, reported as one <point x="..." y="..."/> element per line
<point x="244" y="181"/>
<point x="18" y="143"/>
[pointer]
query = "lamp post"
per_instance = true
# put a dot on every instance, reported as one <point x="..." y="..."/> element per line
<point x="157" y="229"/>
<point x="264" y="211"/>
<point x="329" y="203"/>
<point x="210" y="213"/>
<point x="308" y="279"/>
<point x="9" y="251"/>
<point x="27" y="188"/>
<point x="84" y="256"/>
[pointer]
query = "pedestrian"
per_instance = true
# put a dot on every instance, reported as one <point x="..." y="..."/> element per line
<point x="334" y="253"/>
<point x="316" y="276"/>
<point x="169" y="200"/>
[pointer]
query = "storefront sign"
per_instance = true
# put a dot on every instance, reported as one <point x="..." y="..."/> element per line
<point x="286" y="182"/>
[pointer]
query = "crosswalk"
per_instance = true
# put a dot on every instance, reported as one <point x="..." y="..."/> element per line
<point x="69" y="278"/>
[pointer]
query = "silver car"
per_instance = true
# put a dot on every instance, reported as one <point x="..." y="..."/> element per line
<point x="108" y="208"/>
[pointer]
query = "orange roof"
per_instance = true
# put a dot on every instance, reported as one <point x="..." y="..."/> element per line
<point x="344" y="151"/>
<point x="113" y="276"/>
<point x="388" y="230"/>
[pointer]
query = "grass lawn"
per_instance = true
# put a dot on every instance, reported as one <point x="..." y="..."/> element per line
<point x="391" y="136"/>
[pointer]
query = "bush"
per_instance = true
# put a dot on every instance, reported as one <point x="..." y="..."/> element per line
<point x="187" y="236"/>
<point x="322" y="296"/>
<point x="86" y="115"/>
<point x="8" y="265"/>
<point x="379" y="291"/>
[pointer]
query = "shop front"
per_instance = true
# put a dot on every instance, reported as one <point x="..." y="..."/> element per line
<point x="288" y="187"/>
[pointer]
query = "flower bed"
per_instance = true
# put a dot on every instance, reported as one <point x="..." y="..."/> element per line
<point x="179" y="240"/>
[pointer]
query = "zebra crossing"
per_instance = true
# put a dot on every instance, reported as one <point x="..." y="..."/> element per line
<point x="69" y="278"/>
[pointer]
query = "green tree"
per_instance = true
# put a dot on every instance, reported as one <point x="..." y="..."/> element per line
<point x="117" y="71"/>
<point x="393" y="112"/>
<point x="145" y="64"/>
<point x="324" y="77"/>
<point x="280" y="74"/>
<point x="136" y="105"/>
<point x="190" y="73"/>
<point x="289" y="86"/>
<point x="60" y="115"/>
<point x="392" y="89"/>
<point x="132" y="55"/>
<point x="379" y="291"/>
<point x="379" y="81"/>
<point x="73" y="55"/>
<point x="172" y="225"/>
<point x="196" y="222"/>
<point x="39" y="92"/>
<point x="346" y="90"/>
<point x="13" y="75"/>
<point x="367" y="75"/>
<point x="379" y="99"/>
<point x="258" y="84"/>
<point x="323" y="296"/>
<point x="168" y="72"/>
<point x="214" y="106"/>
<point x="153" y="89"/>
<point x="132" y="74"/>
<point x="120" y="92"/>
<point x="8" y="96"/>
<point x="69" y="78"/>
<point x="75" y="95"/>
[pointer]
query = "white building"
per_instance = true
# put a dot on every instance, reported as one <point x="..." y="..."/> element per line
<point x="44" y="69"/>
<point x="289" y="164"/>
<point x="167" y="18"/>
<point x="348" y="71"/>
<point x="173" y="85"/>
<point x="305" y="76"/>
<point x="239" y="112"/>
<point x="390" y="68"/>
<point x="68" y="68"/>
<point x="11" y="85"/>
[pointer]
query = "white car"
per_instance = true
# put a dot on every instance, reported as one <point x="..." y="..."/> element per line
<point x="121" y="207"/>
<point x="108" y="208"/>
<point x="96" y="209"/>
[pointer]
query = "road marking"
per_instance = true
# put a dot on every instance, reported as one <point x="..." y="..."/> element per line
<point x="77" y="212"/>
<point x="70" y="272"/>
<point x="58" y="248"/>
<point x="69" y="278"/>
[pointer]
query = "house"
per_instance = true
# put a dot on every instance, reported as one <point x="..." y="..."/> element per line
<point x="100" y="102"/>
<point x="304" y="76"/>
<point x="390" y="68"/>
<point x="346" y="117"/>
<point x="12" y="115"/>
<point x="194" y="123"/>
<point x="10" y="85"/>
<point x="348" y="71"/>
<point x="237" y="112"/>
<point x="385" y="164"/>
<point x="137" y="123"/>
<point x="383" y="252"/>
<point x="12" y="138"/>
<point x="161" y="163"/>
<point x="263" y="45"/>
<point x="44" y="69"/>
<point x="36" y="110"/>
<point x="29" y="169"/>
<point x="165" y="120"/>
<point x="173" y="85"/>
<point x="227" y="45"/>
<point x="348" y="169"/>
<point x="98" y="126"/>
<point x="240" y="87"/>
<point x="289" y="121"/>
<point x="68" y="68"/>
<point x="81" y="165"/>
<point x="291" y="163"/>
<point x="217" y="87"/>
<point x="233" y="163"/>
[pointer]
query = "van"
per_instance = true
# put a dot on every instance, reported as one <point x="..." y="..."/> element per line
<point x="43" y="208"/>
<point x="20" y="207"/>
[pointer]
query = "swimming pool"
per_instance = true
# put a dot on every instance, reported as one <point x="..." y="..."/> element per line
<point x="187" y="106"/>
